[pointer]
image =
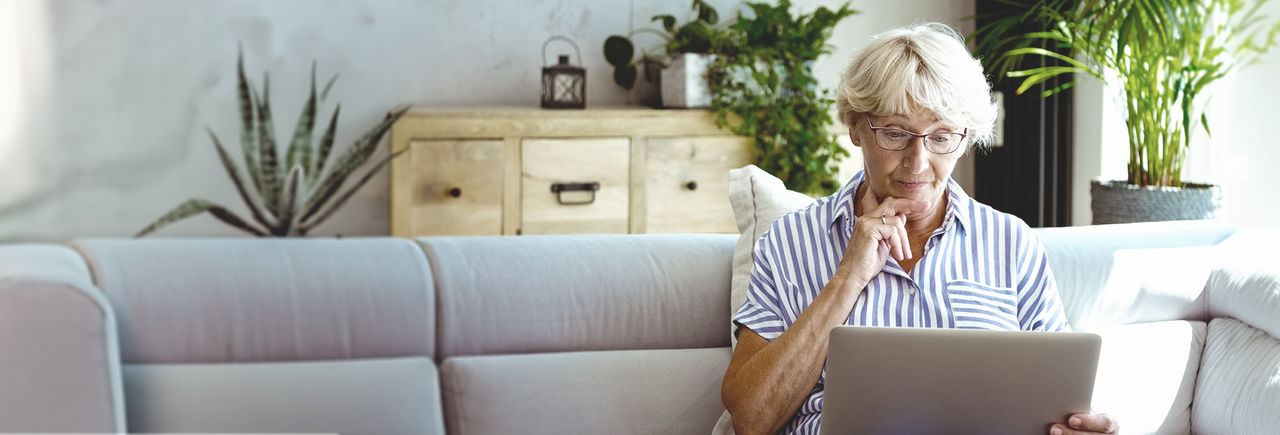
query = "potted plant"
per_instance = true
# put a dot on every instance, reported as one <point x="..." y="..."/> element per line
<point x="763" y="87"/>
<point x="1164" y="54"/>
<point x="689" y="49"/>
<point x="290" y="190"/>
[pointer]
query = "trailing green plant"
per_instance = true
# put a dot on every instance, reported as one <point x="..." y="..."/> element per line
<point x="763" y="87"/>
<point x="291" y="193"/>
<point x="1164" y="54"/>
<point x="699" y="34"/>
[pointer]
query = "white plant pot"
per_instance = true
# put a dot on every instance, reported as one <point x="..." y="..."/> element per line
<point x="684" y="81"/>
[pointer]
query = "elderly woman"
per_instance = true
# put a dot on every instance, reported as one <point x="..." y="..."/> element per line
<point x="885" y="248"/>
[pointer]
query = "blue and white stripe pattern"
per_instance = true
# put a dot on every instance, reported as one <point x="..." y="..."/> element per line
<point x="981" y="269"/>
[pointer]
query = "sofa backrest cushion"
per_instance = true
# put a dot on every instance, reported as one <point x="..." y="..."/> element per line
<point x="59" y="369"/>
<point x="665" y="391"/>
<point x="1133" y="273"/>
<point x="373" y="396"/>
<point x="1237" y="390"/>
<point x="1246" y="285"/>
<point x="255" y="300"/>
<point x="575" y="293"/>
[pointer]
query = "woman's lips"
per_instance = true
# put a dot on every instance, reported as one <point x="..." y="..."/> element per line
<point x="913" y="185"/>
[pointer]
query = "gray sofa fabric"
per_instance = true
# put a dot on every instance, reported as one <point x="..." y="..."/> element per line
<point x="247" y="300"/>
<point x="1133" y="273"/>
<point x="626" y="391"/>
<point x="366" y="396"/>
<point x="501" y="295"/>
<point x="59" y="360"/>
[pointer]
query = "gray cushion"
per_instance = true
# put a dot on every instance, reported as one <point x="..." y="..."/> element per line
<point x="1238" y="388"/>
<point x="571" y="293"/>
<point x="59" y="369"/>
<point x="615" y="392"/>
<point x="378" y="396"/>
<point x="1133" y="273"/>
<point x="1247" y="286"/>
<point x="247" y="300"/>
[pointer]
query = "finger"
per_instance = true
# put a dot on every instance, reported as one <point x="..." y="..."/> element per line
<point x="1062" y="429"/>
<point x="902" y="232"/>
<point x="1100" y="423"/>
<point x="891" y="237"/>
<point x="901" y="206"/>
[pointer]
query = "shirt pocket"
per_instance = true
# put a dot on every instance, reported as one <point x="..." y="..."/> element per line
<point x="980" y="306"/>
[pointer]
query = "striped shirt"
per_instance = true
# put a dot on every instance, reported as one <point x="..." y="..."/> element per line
<point x="981" y="269"/>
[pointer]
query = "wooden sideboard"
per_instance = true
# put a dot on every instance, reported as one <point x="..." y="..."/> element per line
<point x="510" y="171"/>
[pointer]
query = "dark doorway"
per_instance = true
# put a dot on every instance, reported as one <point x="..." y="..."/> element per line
<point x="1029" y="173"/>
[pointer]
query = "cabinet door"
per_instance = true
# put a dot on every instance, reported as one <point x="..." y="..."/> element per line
<point x="456" y="188"/>
<point x="686" y="183"/>
<point x="571" y="164"/>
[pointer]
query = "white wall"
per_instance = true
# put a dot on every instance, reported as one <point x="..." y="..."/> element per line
<point x="1241" y="156"/>
<point x="103" y="104"/>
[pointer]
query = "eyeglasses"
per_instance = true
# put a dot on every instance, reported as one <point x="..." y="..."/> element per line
<point x="897" y="139"/>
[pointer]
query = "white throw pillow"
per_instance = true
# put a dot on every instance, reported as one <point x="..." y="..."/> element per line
<point x="758" y="199"/>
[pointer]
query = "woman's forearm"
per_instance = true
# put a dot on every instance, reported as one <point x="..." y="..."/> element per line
<point x="765" y="391"/>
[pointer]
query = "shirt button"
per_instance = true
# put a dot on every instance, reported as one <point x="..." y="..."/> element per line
<point x="911" y="291"/>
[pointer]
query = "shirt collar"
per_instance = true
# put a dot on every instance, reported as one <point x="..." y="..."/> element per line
<point x="957" y="205"/>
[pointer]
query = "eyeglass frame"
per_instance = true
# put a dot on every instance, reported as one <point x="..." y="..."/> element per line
<point x="876" y="130"/>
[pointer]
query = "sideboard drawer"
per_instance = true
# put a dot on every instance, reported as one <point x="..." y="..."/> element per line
<point x="601" y="165"/>
<point x="456" y="190"/>
<point x="686" y="182"/>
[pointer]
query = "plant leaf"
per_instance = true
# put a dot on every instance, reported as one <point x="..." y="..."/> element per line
<point x="326" y="145"/>
<point x="196" y="206"/>
<point x="355" y="156"/>
<point x="270" y="168"/>
<point x="234" y="172"/>
<point x="290" y="203"/>
<point x="248" y="123"/>
<point x="325" y="94"/>
<point x="300" y="152"/>
<point x="345" y="196"/>
<point x="618" y="50"/>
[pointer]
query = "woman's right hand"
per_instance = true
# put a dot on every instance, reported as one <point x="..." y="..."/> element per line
<point x="878" y="234"/>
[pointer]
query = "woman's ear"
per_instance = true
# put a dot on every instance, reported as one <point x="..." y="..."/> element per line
<point x="853" y="137"/>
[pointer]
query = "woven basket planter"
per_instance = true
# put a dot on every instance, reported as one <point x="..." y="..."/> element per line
<point x="1116" y="202"/>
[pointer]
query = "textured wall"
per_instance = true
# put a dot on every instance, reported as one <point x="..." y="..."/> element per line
<point x="103" y="104"/>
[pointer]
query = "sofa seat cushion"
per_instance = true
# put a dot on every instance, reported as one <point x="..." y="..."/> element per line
<point x="372" y="396"/>
<point x="1238" y="388"/>
<point x="616" y="392"/>
<point x="1146" y="375"/>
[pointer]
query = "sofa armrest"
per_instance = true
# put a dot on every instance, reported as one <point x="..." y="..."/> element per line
<point x="59" y="371"/>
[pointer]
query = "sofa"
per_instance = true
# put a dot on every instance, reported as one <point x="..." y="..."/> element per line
<point x="550" y="334"/>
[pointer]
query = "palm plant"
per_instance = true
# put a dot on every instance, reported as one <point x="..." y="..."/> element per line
<point x="1165" y="54"/>
<point x="291" y="194"/>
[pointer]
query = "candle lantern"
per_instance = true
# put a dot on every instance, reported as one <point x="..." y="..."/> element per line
<point x="564" y="85"/>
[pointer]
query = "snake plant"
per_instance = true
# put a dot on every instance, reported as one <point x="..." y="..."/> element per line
<point x="291" y="193"/>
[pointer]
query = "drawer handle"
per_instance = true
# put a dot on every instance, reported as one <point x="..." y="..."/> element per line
<point x="693" y="185"/>
<point x="455" y="192"/>
<point x="560" y="188"/>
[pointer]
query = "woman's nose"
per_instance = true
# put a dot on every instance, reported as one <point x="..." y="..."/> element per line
<point x="915" y="158"/>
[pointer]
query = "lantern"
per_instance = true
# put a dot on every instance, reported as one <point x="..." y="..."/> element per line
<point x="564" y="85"/>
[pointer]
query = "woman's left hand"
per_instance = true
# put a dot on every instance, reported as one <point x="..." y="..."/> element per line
<point x="1086" y="424"/>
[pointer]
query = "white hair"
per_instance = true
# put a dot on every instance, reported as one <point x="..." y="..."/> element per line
<point x="924" y="66"/>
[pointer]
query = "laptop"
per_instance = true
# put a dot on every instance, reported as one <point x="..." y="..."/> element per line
<point x="924" y="381"/>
